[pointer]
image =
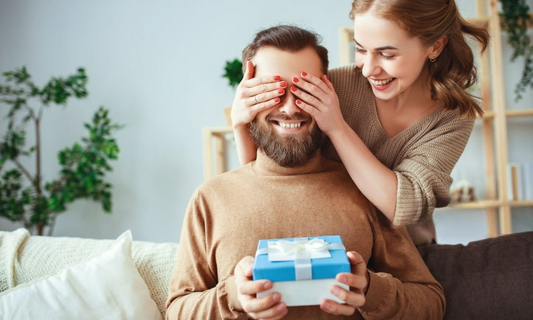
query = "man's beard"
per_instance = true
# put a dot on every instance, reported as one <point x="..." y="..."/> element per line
<point x="289" y="150"/>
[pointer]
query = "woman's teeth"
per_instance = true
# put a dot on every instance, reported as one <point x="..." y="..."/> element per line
<point x="381" y="82"/>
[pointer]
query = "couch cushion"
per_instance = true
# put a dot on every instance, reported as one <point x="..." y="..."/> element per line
<point x="22" y="257"/>
<point x="105" y="287"/>
<point x="487" y="279"/>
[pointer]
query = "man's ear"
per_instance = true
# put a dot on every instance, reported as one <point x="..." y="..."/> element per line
<point x="436" y="48"/>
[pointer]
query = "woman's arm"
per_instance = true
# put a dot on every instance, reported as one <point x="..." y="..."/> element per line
<point x="253" y="96"/>
<point x="375" y="180"/>
<point x="246" y="148"/>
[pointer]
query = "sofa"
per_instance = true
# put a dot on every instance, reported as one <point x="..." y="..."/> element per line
<point x="489" y="279"/>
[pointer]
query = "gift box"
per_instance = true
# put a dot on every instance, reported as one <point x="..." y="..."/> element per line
<point x="302" y="269"/>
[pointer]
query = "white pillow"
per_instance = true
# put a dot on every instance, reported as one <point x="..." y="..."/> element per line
<point x="105" y="287"/>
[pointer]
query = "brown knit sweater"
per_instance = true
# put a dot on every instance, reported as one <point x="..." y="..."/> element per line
<point x="422" y="156"/>
<point x="231" y="212"/>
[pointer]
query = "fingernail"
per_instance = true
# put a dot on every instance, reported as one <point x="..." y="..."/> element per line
<point x="276" y="297"/>
<point x="294" y="79"/>
<point x="335" y="290"/>
<point x="267" y="285"/>
<point x="277" y="78"/>
<point x="293" y="89"/>
<point x="281" y="91"/>
<point x="326" y="305"/>
<point x="281" y="307"/>
<point x="276" y="100"/>
<point x="283" y="84"/>
<point x="342" y="279"/>
<point x="304" y="73"/>
<point x="298" y="102"/>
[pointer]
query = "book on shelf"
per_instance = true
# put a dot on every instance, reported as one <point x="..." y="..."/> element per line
<point x="520" y="181"/>
<point x="527" y="181"/>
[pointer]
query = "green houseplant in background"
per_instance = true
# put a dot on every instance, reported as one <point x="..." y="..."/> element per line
<point x="24" y="196"/>
<point x="515" y="18"/>
<point x="232" y="72"/>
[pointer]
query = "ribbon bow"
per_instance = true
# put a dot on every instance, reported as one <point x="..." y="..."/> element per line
<point x="283" y="250"/>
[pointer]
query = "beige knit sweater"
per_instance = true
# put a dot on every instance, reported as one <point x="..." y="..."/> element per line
<point x="231" y="212"/>
<point x="422" y="156"/>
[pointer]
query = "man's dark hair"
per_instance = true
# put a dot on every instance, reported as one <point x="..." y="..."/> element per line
<point x="286" y="38"/>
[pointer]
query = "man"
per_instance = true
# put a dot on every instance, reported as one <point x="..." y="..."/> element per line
<point x="292" y="191"/>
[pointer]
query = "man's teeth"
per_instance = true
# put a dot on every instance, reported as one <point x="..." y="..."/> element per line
<point x="290" y="125"/>
<point x="381" y="82"/>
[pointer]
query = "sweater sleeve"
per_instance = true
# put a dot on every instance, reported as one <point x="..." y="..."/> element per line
<point x="400" y="284"/>
<point x="195" y="291"/>
<point x="424" y="172"/>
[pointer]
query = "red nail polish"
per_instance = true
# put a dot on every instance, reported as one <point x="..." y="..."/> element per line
<point x="298" y="102"/>
<point x="276" y="100"/>
<point x="294" y="79"/>
<point x="281" y="91"/>
<point x="293" y="89"/>
<point x="283" y="84"/>
<point x="304" y="74"/>
<point x="277" y="78"/>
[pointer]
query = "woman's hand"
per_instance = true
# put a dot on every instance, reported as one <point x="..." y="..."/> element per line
<point x="254" y="95"/>
<point x="317" y="97"/>
<point x="357" y="281"/>
<point x="266" y="308"/>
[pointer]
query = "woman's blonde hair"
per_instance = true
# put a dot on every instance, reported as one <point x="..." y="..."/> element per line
<point x="454" y="70"/>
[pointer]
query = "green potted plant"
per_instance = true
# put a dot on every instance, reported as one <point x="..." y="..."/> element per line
<point x="515" y="19"/>
<point x="24" y="196"/>
<point x="232" y="72"/>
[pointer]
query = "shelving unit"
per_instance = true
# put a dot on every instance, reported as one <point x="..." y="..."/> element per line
<point x="215" y="151"/>
<point x="493" y="122"/>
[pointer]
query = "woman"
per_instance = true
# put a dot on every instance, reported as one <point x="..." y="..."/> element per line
<point x="401" y="118"/>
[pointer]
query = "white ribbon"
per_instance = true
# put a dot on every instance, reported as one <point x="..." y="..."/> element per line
<point x="302" y="251"/>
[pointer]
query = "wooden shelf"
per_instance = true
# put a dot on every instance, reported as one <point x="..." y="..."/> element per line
<point x="521" y="203"/>
<point x="489" y="115"/>
<point x="217" y="134"/>
<point x="519" y="113"/>
<point x="488" y="204"/>
<point x="481" y="204"/>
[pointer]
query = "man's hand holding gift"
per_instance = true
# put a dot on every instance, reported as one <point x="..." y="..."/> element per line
<point x="358" y="283"/>
<point x="267" y="308"/>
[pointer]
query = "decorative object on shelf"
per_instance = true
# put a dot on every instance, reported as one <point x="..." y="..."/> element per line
<point x="520" y="181"/>
<point x="233" y="72"/>
<point x="83" y="166"/>
<point x="462" y="193"/>
<point x="515" y="19"/>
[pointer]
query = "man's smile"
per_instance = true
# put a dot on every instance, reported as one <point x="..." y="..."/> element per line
<point x="289" y="124"/>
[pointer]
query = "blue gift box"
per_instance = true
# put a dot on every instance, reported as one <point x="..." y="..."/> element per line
<point x="323" y="268"/>
<point x="302" y="281"/>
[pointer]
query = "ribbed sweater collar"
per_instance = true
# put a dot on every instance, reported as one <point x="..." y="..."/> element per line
<point x="263" y="165"/>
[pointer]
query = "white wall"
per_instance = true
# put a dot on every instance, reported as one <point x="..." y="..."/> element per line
<point x="157" y="66"/>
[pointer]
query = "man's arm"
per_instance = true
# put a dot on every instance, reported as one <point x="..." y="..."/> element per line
<point x="195" y="291"/>
<point x="400" y="285"/>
